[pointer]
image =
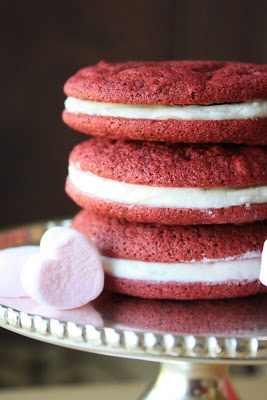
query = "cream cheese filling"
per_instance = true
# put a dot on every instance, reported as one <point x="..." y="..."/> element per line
<point x="156" y="196"/>
<point x="243" y="110"/>
<point x="212" y="272"/>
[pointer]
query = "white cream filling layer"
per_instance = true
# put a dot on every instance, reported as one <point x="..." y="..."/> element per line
<point x="155" y="196"/>
<point x="244" y="110"/>
<point x="213" y="272"/>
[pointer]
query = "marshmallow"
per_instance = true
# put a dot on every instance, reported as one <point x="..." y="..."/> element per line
<point x="67" y="272"/>
<point x="263" y="271"/>
<point x="11" y="263"/>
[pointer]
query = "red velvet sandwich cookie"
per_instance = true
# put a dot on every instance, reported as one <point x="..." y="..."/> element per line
<point x="173" y="101"/>
<point x="177" y="262"/>
<point x="170" y="183"/>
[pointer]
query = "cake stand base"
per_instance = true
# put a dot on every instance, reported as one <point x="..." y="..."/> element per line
<point x="190" y="381"/>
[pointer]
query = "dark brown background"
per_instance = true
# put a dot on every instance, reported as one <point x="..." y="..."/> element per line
<point x="44" y="42"/>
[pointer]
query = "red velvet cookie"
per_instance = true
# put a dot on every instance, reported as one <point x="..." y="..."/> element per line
<point x="170" y="183"/>
<point x="114" y="100"/>
<point x="169" y="82"/>
<point x="250" y="131"/>
<point x="176" y="262"/>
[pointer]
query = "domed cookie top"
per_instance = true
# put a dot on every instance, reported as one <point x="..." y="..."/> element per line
<point x="169" y="82"/>
<point x="118" y="238"/>
<point x="173" y="165"/>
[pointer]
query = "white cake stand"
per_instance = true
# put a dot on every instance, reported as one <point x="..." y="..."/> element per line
<point x="195" y="342"/>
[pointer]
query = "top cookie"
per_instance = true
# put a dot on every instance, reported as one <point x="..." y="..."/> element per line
<point x="170" y="101"/>
<point x="169" y="82"/>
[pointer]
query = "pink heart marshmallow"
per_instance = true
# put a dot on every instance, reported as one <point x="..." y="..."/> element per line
<point x="67" y="273"/>
<point x="11" y="263"/>
<point x="263" y="271"/>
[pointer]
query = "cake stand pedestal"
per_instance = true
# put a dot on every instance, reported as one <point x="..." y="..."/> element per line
<point x="187" y="380"/>
<point x="195" y="342"/>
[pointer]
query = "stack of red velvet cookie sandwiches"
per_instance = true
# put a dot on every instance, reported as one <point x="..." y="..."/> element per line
<point x="174" y="185"/>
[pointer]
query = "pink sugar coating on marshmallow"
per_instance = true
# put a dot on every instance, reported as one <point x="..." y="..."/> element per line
<point x="67" y="273"/>
<point x="12" y="261"/>
<point x="263" y="272"/>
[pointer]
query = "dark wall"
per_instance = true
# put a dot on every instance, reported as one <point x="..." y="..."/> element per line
<point x="44" y="42"/>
